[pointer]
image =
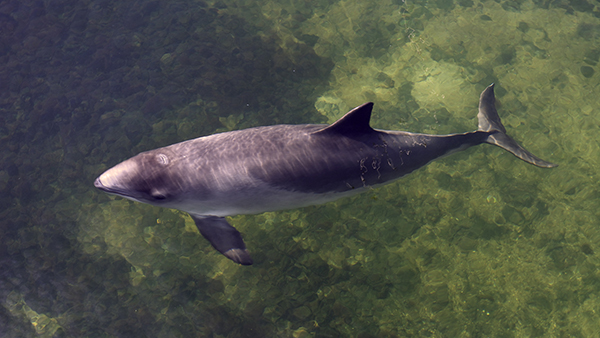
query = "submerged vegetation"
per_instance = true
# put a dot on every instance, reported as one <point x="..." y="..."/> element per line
<point x="476" y="244"/>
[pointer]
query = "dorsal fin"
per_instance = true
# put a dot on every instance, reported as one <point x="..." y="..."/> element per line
<point x="355" y="121"/>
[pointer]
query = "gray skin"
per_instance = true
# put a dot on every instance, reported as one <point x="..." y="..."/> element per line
<point x="279" y="167"/>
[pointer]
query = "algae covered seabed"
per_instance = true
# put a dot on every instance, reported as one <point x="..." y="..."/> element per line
<point x="478" y="244"/>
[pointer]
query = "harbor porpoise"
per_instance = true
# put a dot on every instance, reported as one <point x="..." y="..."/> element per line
<point x="279" y="167"/>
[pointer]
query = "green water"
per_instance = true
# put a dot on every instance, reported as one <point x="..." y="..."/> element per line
<point x="478" y="244"/>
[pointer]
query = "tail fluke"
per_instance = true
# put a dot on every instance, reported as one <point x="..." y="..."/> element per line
<point x="489" y="121"/>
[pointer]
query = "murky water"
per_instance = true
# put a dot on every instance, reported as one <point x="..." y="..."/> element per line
<point x="478" y="244"/>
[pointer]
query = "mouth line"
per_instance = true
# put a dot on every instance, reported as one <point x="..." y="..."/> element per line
<point x="98" y="184"/>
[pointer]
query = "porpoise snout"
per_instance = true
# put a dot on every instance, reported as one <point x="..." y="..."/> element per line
<point x="98" y="183"/>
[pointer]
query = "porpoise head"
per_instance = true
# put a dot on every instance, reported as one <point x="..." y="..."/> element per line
<point x="148" y="178"/>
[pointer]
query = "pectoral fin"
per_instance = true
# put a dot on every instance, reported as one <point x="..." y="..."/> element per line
<point x="223" y="237"/>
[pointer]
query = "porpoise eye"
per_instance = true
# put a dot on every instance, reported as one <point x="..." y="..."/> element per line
<point x="157" y="195"/>
<point x="162" y="159"/>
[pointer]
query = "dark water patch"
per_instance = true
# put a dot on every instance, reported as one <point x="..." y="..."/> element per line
<point x="570" y="6"/>
<point x="466" y="3"/>
<point x="447" y="5"/>
<point x="523" y="27"/>
<point x="512" y="5"/>
<point x="507" y="55"/>
<point x="92" y="83"/>
<point x="587" y="71"/>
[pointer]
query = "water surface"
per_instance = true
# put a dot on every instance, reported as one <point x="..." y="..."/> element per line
<point x="478" y="244"/>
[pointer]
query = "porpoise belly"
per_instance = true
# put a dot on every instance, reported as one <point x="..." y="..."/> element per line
<point x="261" y="198"/>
